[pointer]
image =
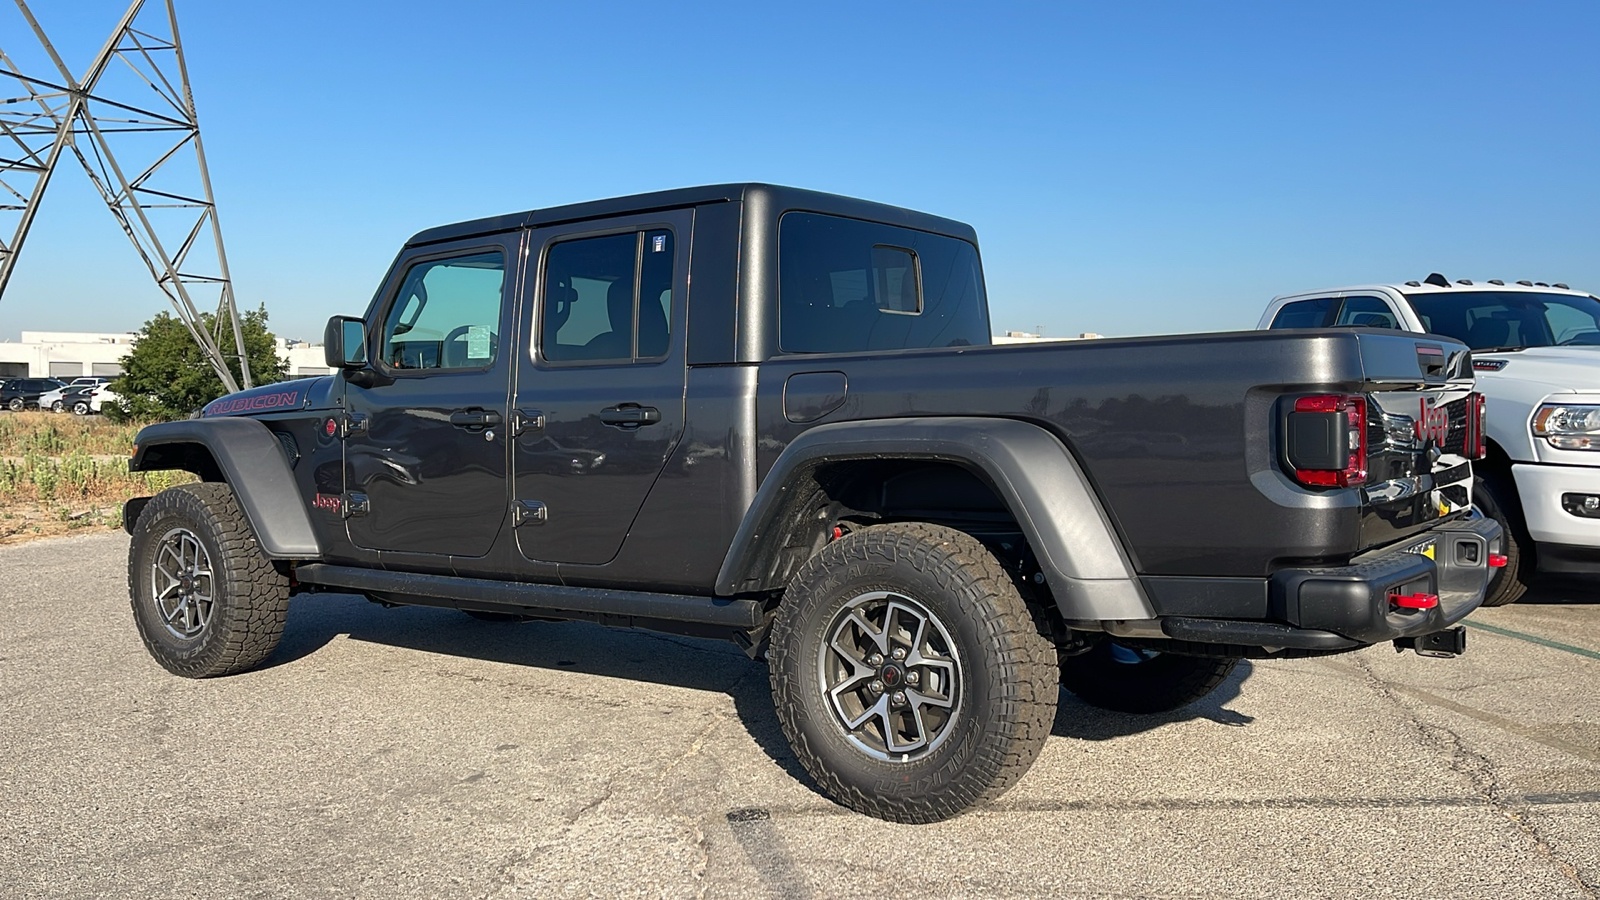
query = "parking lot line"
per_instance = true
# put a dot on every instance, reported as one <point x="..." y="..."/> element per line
<point x="1532" y="639"/>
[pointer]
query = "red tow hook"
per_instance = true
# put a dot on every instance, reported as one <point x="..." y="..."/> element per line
<point x="1497" y="561"/>
<point x="1414" y="601"/>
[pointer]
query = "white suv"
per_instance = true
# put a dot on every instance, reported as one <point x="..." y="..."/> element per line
<point x="1536" y="352"/>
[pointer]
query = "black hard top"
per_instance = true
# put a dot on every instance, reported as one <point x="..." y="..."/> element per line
<point x="769" y="199"/>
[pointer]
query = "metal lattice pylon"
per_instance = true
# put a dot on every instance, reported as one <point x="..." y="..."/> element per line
<point x="47" y="120"/>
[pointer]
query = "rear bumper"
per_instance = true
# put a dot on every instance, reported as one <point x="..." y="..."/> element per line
<point x="1344" y="607"/>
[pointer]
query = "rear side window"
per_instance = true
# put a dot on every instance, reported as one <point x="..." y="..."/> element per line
<point x="1303" y="314"/>
<point x="847" y="285"/>
<point x="1366" y="312"/>
<point x="608" y="298"/>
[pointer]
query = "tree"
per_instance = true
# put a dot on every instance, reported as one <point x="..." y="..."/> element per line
<point x="166" y="376"/>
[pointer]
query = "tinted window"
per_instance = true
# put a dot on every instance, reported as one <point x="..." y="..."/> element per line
<point x="1486" y="319"/>
<point x="849" y="285"/>
<point x="1303" y="314"/>
<point x="446" y="314"/>
<point x="608" y="298"/>
<point x="1366" y="312"/>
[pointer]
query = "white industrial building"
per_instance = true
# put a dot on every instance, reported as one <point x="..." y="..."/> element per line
<point x="70" y="354"/>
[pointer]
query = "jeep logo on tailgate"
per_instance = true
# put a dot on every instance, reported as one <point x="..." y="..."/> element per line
<point x="1433" y="422"/>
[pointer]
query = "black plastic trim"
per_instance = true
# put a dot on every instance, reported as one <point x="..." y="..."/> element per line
<point x="1566" y="559"/>
<point x="1082" y="558"/>
<point x="247" y="456"/>
<point x="552" y="598"/>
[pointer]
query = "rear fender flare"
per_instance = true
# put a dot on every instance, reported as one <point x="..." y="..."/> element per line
<point x="1033" y="473"/>
<point x="243" y="453"/>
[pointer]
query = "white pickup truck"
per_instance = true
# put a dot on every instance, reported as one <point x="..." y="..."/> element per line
<point x="1536" y="352"/>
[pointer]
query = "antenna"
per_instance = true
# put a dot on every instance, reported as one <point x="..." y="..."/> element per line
<point x="160" y="198"/>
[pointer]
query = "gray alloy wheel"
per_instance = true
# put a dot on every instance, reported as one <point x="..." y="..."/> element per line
<point x="17" y="404"/>
<point x="181" y="583"/>
<point x="80" y="408"/>
<point x="892" y="676"/>
<point x="56" y="406"/>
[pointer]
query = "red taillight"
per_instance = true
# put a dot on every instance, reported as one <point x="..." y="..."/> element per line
<point x="1476" y="443"/>
<point x="1334" y="456"/>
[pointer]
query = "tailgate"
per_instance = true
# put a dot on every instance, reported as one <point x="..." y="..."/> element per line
<point x="1423" y="428"/>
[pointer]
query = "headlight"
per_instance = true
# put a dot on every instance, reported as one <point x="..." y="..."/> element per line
<point x="1573" y="427"/>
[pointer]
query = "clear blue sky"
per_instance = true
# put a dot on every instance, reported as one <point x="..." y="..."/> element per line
<point x="1131" y="168"/>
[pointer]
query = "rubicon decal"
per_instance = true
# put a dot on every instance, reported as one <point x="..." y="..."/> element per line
<point x="1433" y="423"/>
<point x="259" y="400"/>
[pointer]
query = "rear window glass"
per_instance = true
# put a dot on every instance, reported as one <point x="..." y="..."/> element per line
<point x="847" y="285"/>
<point x="1303" y="314"/>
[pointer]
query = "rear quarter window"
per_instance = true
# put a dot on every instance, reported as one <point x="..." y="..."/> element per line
<point x="847" y="285"/>
<point x="1303" y="314"/>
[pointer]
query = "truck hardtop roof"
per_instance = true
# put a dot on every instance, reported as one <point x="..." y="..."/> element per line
<point x="1427" y="288"/>
<point x="772" y="197"/>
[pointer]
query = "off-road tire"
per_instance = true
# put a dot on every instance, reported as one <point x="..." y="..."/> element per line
<point x="1005" y="701"/>
<point x="1509" y="583"/>
<point x="1161" y="682"/>
<point x="250" y="596"/>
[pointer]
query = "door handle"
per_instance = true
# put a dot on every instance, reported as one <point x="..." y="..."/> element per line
<point x="474" y="418"/>
<point x="630" y="415"/>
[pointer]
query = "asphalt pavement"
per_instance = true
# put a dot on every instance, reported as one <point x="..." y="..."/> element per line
<point x="399" y="753"/>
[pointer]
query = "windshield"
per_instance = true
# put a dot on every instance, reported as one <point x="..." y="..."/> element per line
<point x="1510" y="320"/>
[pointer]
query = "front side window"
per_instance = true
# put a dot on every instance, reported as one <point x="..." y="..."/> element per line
<point x="446" y="314"/>
<point x="608" y="298"/>
<point x="1486" y="320"/>
<point x="846" y="285"/>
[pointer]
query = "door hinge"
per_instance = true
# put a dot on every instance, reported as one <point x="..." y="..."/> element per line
<point x="352" y="424"/>
<point x="528" y="512"/>
<point x="526" y="420"/>
<point x="355" y="505"/>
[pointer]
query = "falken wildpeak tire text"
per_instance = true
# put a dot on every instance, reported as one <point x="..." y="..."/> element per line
<point x="1122" y="679"/>
<point x="923" y="607"/>
<point x="206" y="600"/>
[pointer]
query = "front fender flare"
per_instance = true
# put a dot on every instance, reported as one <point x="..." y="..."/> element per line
<point x="249" y="458"/>
<point x="1033" y="473"/>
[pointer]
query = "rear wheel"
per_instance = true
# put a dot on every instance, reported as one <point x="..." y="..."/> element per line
<point x="1510" y="582"/>
<point x="1133" y="680"/>
<point x="80" y="408"/>
<point x="56" y="406"/>
<point x="908" y="673"/>
<point x="206" y="600"/>
<point x="17" y="405"/>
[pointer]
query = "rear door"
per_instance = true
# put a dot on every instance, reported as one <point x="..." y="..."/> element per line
<point x="600" y="382"/>
<point x="425" y="454"/>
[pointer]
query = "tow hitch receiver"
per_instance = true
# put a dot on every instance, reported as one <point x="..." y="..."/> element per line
<point x="1442" y="644"/>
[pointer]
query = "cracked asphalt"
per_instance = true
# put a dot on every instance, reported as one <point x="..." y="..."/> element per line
<point x="419" y="753"/>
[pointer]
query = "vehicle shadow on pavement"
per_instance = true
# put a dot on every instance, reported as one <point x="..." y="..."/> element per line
<point x="1077" y="719"/>
<point x="1557" y="591"/>
<point x="655" y="659"/>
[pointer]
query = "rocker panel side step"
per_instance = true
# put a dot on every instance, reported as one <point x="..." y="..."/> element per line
<point x="543" y="598"/>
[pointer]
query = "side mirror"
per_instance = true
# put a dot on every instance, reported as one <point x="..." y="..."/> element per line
<point x="344" y="343"/>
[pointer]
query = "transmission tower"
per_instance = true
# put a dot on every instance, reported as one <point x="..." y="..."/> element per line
<point x="154" y="196"/>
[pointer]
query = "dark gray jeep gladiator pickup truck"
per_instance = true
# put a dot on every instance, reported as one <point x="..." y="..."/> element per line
<point x="774" y="416"/>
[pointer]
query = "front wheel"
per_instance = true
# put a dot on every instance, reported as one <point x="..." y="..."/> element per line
<point x="17" y="405"/>
<point x="206" y="600"/>
<point x="1133" y="680"/>
<point x="908" y="673"/>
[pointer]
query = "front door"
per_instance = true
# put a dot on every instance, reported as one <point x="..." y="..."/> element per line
<point x="599" y="393"/>
<point x="425" y="452"/>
